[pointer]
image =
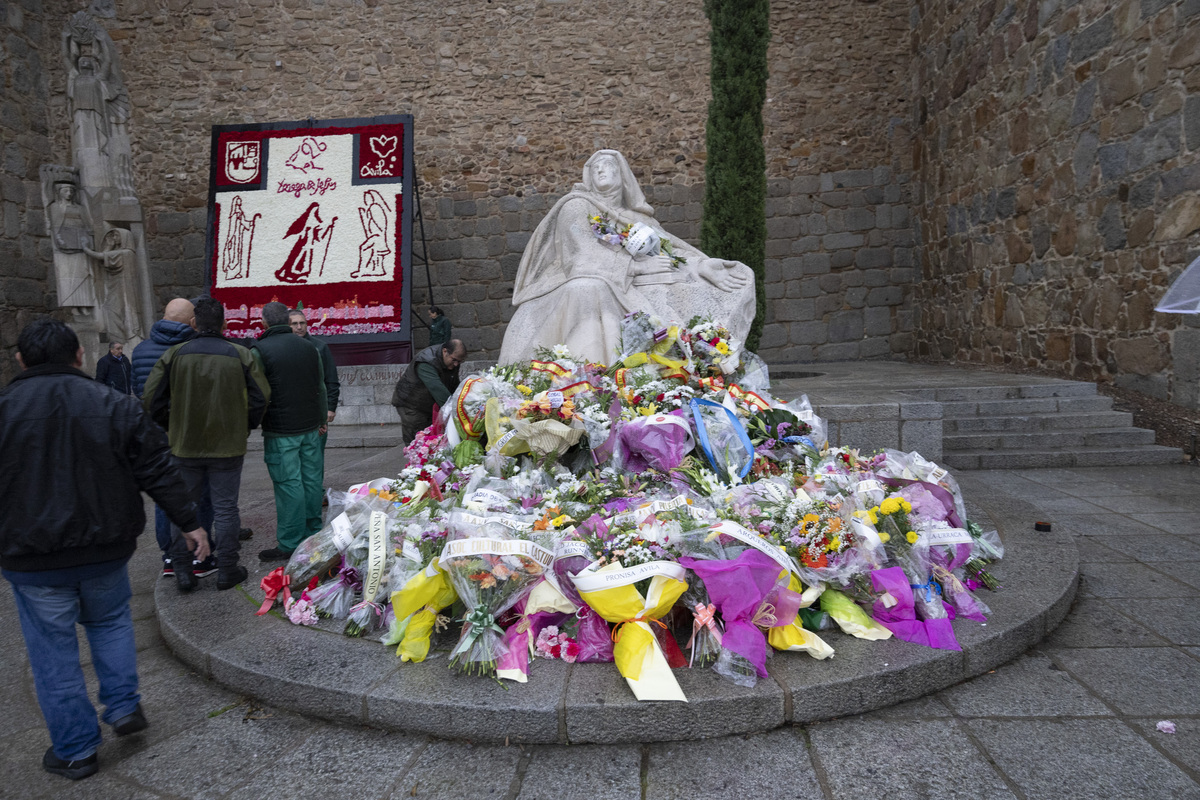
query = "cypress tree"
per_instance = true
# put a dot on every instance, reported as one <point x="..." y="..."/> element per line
<point x="734" y="224"/>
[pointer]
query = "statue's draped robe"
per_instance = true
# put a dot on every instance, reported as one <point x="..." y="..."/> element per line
<point x="573" y="289"/>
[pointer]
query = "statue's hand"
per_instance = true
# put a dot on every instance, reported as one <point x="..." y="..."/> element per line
<point x="724" y="274"/>
<point x="652" y="265"/>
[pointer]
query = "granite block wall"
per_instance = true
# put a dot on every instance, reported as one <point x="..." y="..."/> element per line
<point x="1057" y="149"/>
<point x="26" y="282"/>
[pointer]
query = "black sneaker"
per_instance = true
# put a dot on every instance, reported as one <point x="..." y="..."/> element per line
<point x="273" y="554"/>
<point x="75" y="770"/>
<point x="131" y="723"/>
<point x="202" y="569"/>
<point x="245" y="533"/>
<point x="229" y="578"/>
<point x="185" y="580"/>
<point x="168" y="570"/>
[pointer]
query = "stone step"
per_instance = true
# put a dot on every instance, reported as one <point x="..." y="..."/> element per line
<point x="1047" y="440"/>
<point x="348" y="436"/>
<point x="1036" y="405"/>
<point x="1038" y="422"/>
<point x="1028" y="392"/>
<point x="1136" y="455"/>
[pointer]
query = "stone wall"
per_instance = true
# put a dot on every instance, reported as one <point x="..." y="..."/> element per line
<point x="1058" y="158"/>
<point x="24" y="248"/>
<point x="510" y="98"/>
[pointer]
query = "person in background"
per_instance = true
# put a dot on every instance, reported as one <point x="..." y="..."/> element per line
<point x="209" y="393"/>
<point x="439" y="327"/>
<point x="333" y="389"/>
<point x="292" y="428"/>
<point x="114" y="369"/>
<point x="74" y="459"/>
<point x="431" y="378"/>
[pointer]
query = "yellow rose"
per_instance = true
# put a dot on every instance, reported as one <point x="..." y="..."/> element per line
<point x="911" y="536"/>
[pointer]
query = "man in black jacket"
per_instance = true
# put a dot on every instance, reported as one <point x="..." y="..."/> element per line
<point x="292" y="428"/>
<point x="431" y="378"/>
<point x="114" y="369"/>
<point x="74" y="458"/>
<point x="333" y="387"/>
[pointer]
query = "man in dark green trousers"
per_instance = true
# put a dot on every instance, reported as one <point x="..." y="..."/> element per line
<point x="292" y="428"/>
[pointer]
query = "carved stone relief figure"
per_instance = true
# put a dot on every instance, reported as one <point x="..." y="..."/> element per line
<point x="118" y="285"/>
<point x="99" y="106"/>
<point x="70" y="237"/>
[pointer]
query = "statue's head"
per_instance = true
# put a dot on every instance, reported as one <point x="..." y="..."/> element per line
<point x="608" y="173"/>
<point x="65" y="192"/>
<point x="112" y="239"/>
<point x="605" y="173"/>
<point x="87" y="64"/>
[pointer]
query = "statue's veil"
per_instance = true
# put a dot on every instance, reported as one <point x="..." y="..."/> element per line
<point x="632" y="197"/>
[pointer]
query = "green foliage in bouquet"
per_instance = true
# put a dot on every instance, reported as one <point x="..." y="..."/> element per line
<point x="734" y="224"/>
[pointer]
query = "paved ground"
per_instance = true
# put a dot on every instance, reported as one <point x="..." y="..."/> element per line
<point x="1073" y="717"/>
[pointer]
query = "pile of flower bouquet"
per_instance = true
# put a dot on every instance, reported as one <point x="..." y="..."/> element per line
<point x="663" y="512"/>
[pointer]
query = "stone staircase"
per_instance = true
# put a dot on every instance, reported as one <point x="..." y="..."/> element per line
<point x="1058" y="424"/>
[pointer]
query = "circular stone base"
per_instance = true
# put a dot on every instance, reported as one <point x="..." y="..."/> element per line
<point x="328" y="675"/>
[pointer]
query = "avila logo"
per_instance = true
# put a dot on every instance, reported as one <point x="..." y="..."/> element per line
<point x="384" y="145"/>
<point x="242" y="161"/>
<point x="379" y="157"/>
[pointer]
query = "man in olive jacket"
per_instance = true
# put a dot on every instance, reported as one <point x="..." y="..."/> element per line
<point x="74" y="459"/>
<point x="431" y="378"/>
<point x="292" y="429"/>
<point x="209" y="393"/>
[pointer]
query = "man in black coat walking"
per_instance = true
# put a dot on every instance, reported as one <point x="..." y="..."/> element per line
<point x="74" y="459"/>
<point x="114" y="369"/>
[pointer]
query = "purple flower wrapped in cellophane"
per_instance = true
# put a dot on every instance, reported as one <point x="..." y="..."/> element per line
<point x="945" y="562"/>
<point x="740" y="589"/>
<point x="659" y="441"/>
<point x="542" y="607"/>
<point x="896" y="610"/>
<point x="594" y="635"/>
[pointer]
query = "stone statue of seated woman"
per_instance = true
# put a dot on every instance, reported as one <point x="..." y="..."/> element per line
<point x="574" y="287"/>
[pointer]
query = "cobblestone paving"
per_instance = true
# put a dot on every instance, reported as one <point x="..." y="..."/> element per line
<point x="1074" y="716"/>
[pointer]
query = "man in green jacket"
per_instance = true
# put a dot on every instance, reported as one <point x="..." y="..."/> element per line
<point x="439" y="327"/>
<point x="292" y="429"/>
<point x="431" y="378"/>
<point x="333" y="388"/>
<point x="209" y="393"/>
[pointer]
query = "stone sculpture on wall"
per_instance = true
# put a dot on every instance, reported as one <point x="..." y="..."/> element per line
<point x="574" y="286"/>
<point x="99" y="106"/>
<point x="106" y="287"/>
<point x="70" y="237"/>
<point x="118" y="275"/>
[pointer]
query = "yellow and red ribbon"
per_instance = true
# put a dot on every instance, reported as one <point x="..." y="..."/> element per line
<point x="460" y="409"/>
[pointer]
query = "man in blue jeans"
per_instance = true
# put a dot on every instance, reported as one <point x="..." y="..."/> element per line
<point x="74" y="459"/>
